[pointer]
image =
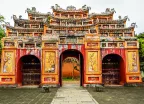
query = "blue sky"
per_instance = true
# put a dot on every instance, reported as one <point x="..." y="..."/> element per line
<point x="132" y="8"/>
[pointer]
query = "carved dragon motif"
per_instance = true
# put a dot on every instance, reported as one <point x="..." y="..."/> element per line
<point x="85" y="7"/>
<point x="119" y="17"/>
<point x="113" y="10"/>
<point x="126" y="17"/>
<point x="56" y="7"/>
<point x="7" y="23"/>
<point x="71" y="8"/>
<point x="133" y="25"/>
<point x="20" y="16"/>
<point x="14" y="17"/>
<point x="108" y="10"/>
<point x="28" y="10"/>
<point x="34" y="9"/>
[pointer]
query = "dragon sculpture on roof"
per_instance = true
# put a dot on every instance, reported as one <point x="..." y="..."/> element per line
<point x="85" y="7"/>
<point x="134" y="25"/>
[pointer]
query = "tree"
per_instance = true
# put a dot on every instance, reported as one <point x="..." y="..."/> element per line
<point x="2" y="32"/>
<point x="141" y="50"/>
<point x="141" y="46"/>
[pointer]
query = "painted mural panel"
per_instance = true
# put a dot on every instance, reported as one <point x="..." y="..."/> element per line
<point x="132" y="62"/>
<point x="134" y="78"/>
<point x="50" y="79"/>
<point x="8" y="62"/>
<point x="93" y="79"/>
<point x="7" y="79"/>
<point x="50" y="60"/>
<point x="92" y="62"/>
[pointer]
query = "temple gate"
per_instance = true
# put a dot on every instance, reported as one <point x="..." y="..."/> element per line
<point x="98" y="49"/>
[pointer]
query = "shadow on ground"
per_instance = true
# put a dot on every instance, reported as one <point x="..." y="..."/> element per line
<point x="26" y="96"/>
<point x="119" y="95"/>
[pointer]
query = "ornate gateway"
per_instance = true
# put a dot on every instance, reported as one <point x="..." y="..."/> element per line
<point x="69" y="42"/>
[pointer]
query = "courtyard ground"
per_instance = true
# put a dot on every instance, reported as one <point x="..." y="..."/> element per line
<point x="111" y="95"/>
<point x="26" y="96"/>
<point x="119" y="95"/>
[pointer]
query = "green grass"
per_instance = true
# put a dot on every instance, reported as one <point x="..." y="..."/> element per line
<point x="70" y="79"/>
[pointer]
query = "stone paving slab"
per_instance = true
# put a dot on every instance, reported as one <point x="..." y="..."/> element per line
<point x="119" y="95"/>
<point x="26" y="96"/>
<point x="73" y="94"/>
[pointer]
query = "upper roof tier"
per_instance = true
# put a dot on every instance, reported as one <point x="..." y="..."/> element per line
<point x="69" y="18"/>
<point x="33" y="11"/>
<point x="70" y="8"/>
<point x="20" y="20"/>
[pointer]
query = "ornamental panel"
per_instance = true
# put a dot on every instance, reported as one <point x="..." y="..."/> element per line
<point x="93" y="62"/>
<point x="132" y="61"/>
<point x="50" y="62"/>
<point x="8" y="62"/>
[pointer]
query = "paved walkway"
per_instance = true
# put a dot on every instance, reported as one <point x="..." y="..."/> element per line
<point x="73" y="94"/>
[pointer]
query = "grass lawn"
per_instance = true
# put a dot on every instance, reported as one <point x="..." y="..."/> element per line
<point x="70" y="79"/>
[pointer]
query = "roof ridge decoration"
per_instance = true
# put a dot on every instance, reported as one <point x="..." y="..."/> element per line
<point x="70" y="8"/>
<point x="107" y="12"/>
<point x="125" y="18"/>
<point x="34" y="11"/>
<point x="85" y="7"/>
<point x="14" y="17"/>
<point x="133" y="25"/>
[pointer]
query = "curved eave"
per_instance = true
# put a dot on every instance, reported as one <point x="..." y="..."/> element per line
<point x="37" y="13"/>
<point x="70" y="18"/>
<point x="112" y="21"/>
<point x="27" y="21"/>
<point x="71" y="26"/>
<point x="102" y="14"/>
<point x="9" y="27"/>
<point x="116" y="28"/>
<point x="19" y="28"/>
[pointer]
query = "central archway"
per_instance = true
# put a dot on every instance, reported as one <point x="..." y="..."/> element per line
<point x="113" y="69"/>
<point x="29" y="70"/>
<point x="71" y="66"/>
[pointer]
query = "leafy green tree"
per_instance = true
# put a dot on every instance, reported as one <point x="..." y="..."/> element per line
<point x="2" y="32"/>
<point x="141" y="46"/>
<point x="141" y="50"/>
<point x="1" y="19"/>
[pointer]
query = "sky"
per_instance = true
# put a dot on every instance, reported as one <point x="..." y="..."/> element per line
<point x="131" y="8"/>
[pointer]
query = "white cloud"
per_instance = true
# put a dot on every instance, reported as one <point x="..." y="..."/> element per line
<point x="132" y="8"/>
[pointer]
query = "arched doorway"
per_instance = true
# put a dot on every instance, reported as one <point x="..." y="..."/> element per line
<point x="29" y="70"/>
<point x="71" y="66"/>
<point x="113" y="70"/>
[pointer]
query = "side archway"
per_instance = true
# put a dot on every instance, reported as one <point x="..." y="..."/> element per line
<point x="29" y="70"/>
<point x="113" y="69"/>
